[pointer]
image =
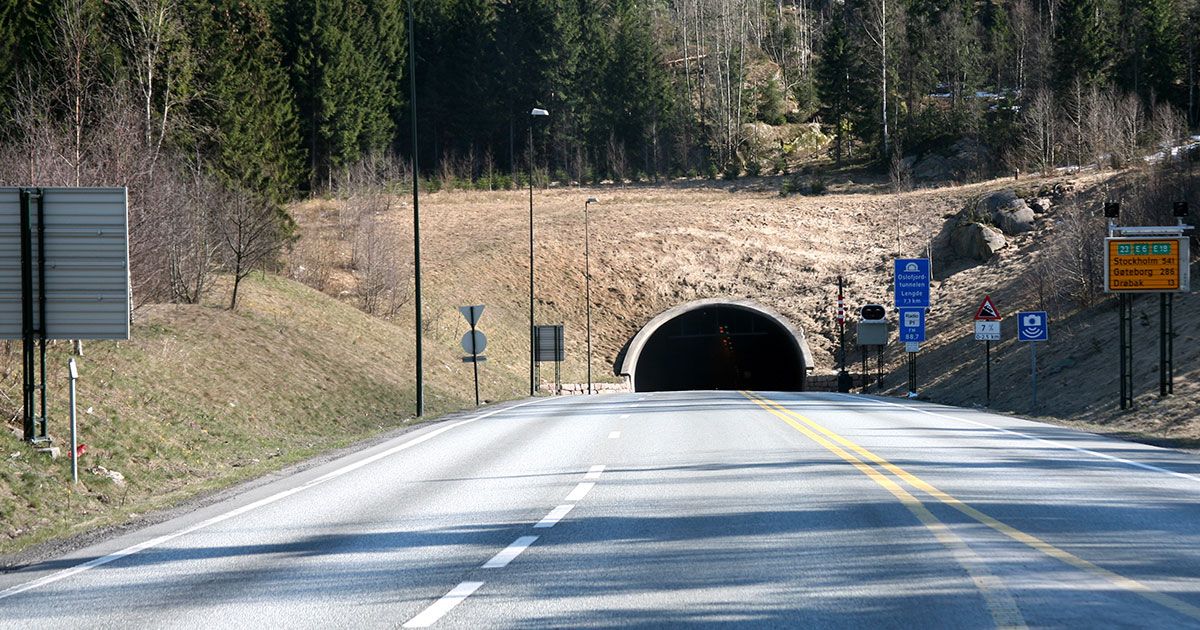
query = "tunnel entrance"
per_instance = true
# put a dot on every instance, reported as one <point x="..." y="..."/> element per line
<point x="714" y="344"/>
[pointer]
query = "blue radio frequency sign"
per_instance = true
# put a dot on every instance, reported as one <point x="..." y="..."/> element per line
<point x="912" y="325"/>
<point x="912" y="283"/>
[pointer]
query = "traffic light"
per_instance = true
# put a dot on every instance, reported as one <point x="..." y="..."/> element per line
<point x="873" y="312"/>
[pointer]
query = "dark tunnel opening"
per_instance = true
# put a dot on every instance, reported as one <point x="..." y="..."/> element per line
<point x="720" y="347"/>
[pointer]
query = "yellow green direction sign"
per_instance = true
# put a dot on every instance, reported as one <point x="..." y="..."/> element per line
<point x="1146" y="265"/>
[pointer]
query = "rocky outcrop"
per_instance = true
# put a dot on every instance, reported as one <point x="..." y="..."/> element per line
<point x="977" y="241"/>
<point x="931" y="168"/>
<point x="1005" y="210"/>
<point x="970" y="159"/>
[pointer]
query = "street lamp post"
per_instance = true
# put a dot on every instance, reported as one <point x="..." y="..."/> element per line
<point x="533" y="115"/>
<point x="587" y="275"/>
<point x="412" y="97"/>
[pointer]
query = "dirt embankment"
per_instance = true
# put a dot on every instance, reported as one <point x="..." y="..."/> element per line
<point x="656" y="247"/>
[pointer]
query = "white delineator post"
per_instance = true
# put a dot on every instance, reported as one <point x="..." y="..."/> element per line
<point x="74" y="376"/>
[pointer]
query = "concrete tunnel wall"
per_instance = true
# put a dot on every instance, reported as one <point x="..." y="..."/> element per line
<point x="662" y="356"/>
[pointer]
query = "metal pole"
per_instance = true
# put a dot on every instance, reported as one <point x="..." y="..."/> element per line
<point x="841" y="324"/>
<point x="27" y="354"/>
<point x="1033" y="370"/>
<point x="1121" y="308"/>
<point x="865" y="350"/>
<point x="557" y="362"/>
<point x="879" y="369"/>
<point x="532" y="330"/>
<point x="412" y="95"/>
<point x="1170" y="343"/>
<point x="1126" y="305"/>
<point x="1163" y="379"/>
<point x="587" y="275"/>
<point x="43" y="433"/>
<point x="74" y="434"/>
<point x="988" y="398"/>
<point x="475" y="363"/>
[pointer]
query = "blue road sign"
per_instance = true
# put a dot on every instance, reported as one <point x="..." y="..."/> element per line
<point x="912" y="325"/>
<point x="1033" y="326"/>
<point x="912" y="282"/>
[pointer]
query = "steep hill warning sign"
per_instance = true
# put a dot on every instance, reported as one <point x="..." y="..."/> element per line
<point x="1146" y="265"/>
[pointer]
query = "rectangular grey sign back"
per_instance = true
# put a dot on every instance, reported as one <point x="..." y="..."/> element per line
<point x="87" y="263"/>
<point x="548" y="344"/>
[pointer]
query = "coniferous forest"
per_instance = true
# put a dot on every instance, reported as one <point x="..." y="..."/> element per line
<point x="217" y="112"/>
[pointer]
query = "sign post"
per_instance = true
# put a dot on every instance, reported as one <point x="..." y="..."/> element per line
<point x="73" y="375"/>
<point x="987" y="329"/>
<point x="1033" y="326"/>
<point x="474" y="342"/>
<point x="911" y="279"/>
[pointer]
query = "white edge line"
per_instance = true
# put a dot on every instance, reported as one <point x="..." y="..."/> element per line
<point x="510" y="553"/>
<point x="594" y="472"/>
<point x="581" y="491"/>
<point x="1078" y="449"/>
<point x="555" y="515"/>
<point x="437" y="609"/>
<point x="154" y="542"/>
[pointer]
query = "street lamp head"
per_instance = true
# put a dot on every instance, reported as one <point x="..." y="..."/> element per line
<point x="538" y="111"/>
<point x="591" y="200"/>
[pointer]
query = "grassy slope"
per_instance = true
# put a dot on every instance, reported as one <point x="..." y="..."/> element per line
<point x="202" y="397"/>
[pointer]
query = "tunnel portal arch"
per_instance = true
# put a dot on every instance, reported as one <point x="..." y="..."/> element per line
<point x="717" y="344"/>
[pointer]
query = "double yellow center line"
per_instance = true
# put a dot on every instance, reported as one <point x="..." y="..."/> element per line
<point x="1001" y="605"/>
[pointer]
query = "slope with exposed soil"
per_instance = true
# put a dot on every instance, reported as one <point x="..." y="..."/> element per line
<point x="656" y="247"/>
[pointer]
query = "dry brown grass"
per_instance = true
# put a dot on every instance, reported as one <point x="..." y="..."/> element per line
<point x="656" y="247"/>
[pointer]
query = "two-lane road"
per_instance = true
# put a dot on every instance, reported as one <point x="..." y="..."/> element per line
<point x="800" y="510"/>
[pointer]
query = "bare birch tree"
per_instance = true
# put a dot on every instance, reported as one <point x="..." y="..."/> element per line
<point x="157" y="45"/>
<point x="249" y="230"/>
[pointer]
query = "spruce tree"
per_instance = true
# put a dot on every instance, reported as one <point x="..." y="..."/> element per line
<point x="251" y="134"/>
<point x="835" y="84"/>
<point x="1083" y="43"/>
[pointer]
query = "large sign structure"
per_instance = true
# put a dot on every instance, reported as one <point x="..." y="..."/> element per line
<point x="64" y="274"/>
<point x="1146" y="265"/>
<point x="1147" y="259"/>
<point x="84" y="266"/>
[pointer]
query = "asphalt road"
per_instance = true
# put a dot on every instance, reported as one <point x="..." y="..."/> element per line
<point x="693" y="508"/>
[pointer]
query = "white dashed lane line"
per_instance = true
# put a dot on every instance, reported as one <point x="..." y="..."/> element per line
<point x="581" y="491"/>
<point x="614" y="435"/>
<point x="623" y="416"/>
<point x="555" y="515"/>
<point x="438" y="609"/>
<point x="510" y="553"/>
<point x="430" y="615"/>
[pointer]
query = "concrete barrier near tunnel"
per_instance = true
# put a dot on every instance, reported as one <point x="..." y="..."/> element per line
<point x="717" y="344"/>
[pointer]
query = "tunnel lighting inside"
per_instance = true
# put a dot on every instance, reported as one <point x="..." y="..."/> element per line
<point x="719" y="346"/>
